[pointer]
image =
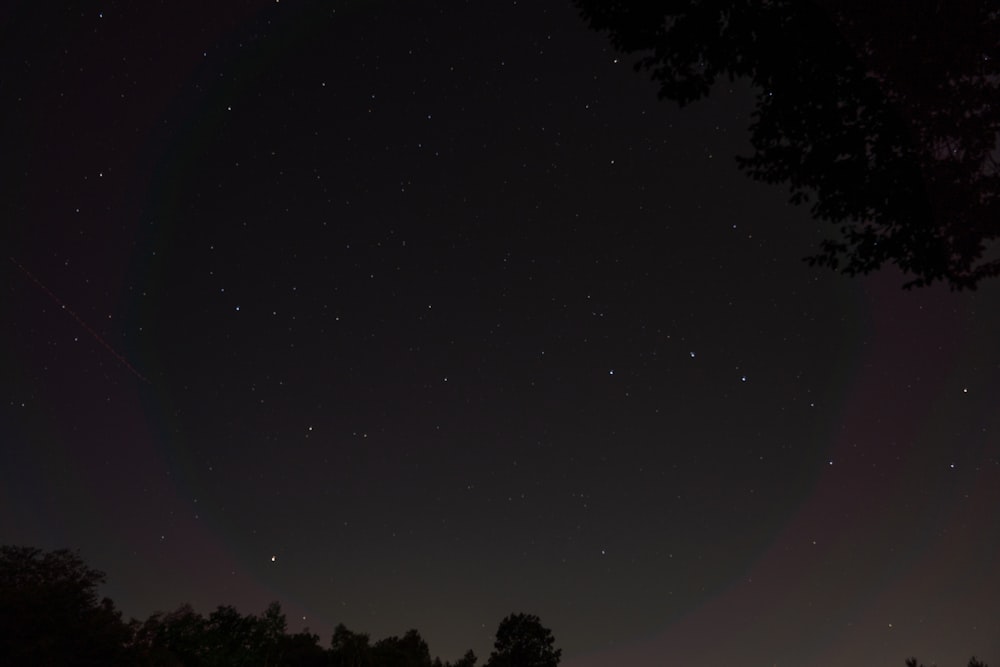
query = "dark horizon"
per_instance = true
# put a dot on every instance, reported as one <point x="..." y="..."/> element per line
<point x="51" y="612"/>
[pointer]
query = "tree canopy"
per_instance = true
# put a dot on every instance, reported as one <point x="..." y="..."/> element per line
<point x="882" y="117"/>
<point x="50" y="613"/>
<point x="522" y="641"/>
<point x="912" y="662"/>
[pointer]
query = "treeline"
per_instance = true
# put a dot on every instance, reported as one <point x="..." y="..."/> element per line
<point x="226" y="637"/>
<point x="50" y="614"/>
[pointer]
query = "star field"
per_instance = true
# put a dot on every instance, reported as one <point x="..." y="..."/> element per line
<point x="419" y="314"/>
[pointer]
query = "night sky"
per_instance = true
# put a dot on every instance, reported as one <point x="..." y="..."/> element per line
<point x="417" y="314"/>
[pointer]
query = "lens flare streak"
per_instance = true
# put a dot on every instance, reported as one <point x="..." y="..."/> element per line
<point x="80" y="321"/>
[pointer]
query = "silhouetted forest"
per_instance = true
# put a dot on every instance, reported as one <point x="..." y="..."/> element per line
<point x="50" y="614"/>
<point x="912" y="662"/>
<point x="882" y="116"/>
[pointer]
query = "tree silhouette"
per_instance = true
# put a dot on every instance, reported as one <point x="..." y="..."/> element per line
<point x="912" y="662"/>
<point x="302" y="650"/>
<point x="467" y="660"/>
<point x="407" y="651"/>
<point x="173" y="639"/>
<point x="522" y="641"/>
<point x="349" y="649"/>
<point x="184" y="638"/>
<point x="50" y="613"/>
<point x="883" y="118"/>
<point x="228" y="637"/>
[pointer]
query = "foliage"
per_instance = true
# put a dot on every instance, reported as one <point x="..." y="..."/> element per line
<point x="522" y="641"/>
<point x="226" y="637"/>
<point x="912" y="662"/>
<point x="175" y="638"/>
<point x="409" y="651"/>
<point x="882" y="117"/>
<point x="467" y="660"/>
<point x="302" y="650"/>
<point x="50" y="613"/>
<point x="349" y="649"/>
